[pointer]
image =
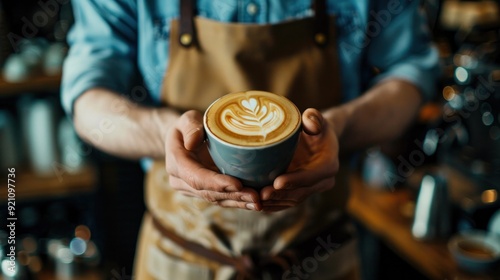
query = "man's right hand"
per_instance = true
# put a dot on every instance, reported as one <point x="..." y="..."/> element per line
<point x="192" y="171"/>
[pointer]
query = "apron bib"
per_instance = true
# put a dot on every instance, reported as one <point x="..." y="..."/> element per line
<point x="297" y="59"/>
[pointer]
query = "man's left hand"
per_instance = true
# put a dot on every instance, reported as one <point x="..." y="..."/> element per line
<point x="313" y="168"/>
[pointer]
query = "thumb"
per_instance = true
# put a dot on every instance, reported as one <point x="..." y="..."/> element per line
<point x="191" y="127"/>
<point x="312" y="121"/>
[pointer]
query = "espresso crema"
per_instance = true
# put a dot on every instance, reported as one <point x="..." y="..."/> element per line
<point x="252" y="118"/>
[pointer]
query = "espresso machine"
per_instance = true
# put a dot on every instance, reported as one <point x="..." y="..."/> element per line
<point x="470" y="140"/>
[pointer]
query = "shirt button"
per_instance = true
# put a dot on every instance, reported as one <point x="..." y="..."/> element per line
<point x="252" y="9"/>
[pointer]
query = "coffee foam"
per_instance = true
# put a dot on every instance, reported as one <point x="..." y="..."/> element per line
<point x="252" y="118"/>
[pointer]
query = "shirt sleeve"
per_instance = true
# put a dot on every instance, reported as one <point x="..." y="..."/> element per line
<point x="402" y="47"/>
<point x="102" y="50"/>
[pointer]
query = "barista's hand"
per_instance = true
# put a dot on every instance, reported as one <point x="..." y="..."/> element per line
<point x="313" y="166"/>
<point x="192" y="171"/>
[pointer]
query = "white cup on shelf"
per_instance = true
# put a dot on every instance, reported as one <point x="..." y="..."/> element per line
<point x="41" y="136"/>
<point x="70" y="147"/>
<point x="9" y="150"/>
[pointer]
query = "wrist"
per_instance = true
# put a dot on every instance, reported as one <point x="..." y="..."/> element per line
<point x="337" y="118"/>
<point x="163" y="119"/>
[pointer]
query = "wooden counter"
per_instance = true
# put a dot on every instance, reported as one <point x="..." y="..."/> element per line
<point x="388" y="215"/>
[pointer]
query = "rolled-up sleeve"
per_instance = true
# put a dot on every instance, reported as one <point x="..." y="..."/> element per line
<point x="403" y="48"/>
<point x="102" y="49"/>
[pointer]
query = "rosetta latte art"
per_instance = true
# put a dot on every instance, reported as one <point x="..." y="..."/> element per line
<point x="253" y="117"/>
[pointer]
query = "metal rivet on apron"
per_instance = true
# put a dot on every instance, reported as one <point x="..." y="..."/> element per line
<point x="186" y="39"/>
<point x="320" y="38"/>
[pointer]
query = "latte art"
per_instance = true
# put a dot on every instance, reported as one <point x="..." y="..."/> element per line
<point x="253" y="117"/>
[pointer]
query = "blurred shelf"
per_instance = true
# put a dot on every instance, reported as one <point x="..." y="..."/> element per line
<point x="33" y="84"/>
<point x="50" y="275"/>
<point x="30" y="186"/>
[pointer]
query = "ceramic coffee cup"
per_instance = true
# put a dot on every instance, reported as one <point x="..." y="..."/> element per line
<point x="252" y="135"/>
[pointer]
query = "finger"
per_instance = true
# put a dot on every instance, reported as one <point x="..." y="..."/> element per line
<point x="267" y="192"/>
<point x="182" y="164"/>
<point x="246" y="195"/>
<point x="190" y="126"/>
<point x="239" y="204"/>
<point x="190" y="194"/>
<point x="301" y="178"/>
<point x="312" y="121"/>
<point x="271" y="209"/>
<point x="246" y="199"/>
<point x="280" y="203"/>
<point x="204" y="158"/>
<point x="298" y="194"/>
<point x="214" y="197"/>
<point x="243" y="203"/>
<point x="271" y="196"/>
<point x="250" y="195"/>
<point x="181" y="186"/>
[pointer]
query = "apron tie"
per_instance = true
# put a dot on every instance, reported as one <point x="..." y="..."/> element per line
<point x="254" y="265"/>
<point x="250" y="265"/>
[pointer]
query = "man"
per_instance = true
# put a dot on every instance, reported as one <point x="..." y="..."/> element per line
<point x="200" y="223"/>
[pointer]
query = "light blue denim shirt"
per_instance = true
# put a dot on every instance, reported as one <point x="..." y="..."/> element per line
<point x="114" y="41"/>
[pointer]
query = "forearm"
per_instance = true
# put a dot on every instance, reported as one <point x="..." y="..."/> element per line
<point x="118" y="126"/>
<point x="380" y="115"/>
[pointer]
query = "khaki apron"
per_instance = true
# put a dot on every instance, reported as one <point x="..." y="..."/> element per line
<point x="208" y="59"/>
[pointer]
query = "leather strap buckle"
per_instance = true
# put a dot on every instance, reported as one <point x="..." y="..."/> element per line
<point x="187" y="32"/>
<point x="321" y="24"/>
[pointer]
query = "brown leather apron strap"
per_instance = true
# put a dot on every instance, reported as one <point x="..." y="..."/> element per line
<point x="320" y="22"/>
<point x="248" y="266"/>
<point x="242" y="265"/>
<point x="187" y="32"/>
<point x="251" y="265"/>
